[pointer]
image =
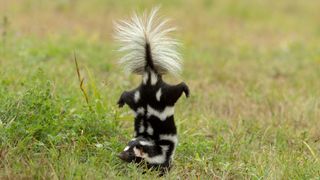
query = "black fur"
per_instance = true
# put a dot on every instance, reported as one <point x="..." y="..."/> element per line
<point x="142" y="100"/>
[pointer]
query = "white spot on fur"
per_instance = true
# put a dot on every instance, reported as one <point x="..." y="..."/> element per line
<point x="159" y="159"/>
<point x="141" y="128"/>
<point x="170" y="137"/>
<point x="140" y="110"/>
<point x="167" y="112"/>
<point x="158" y="94"/>
<point x="149" y="129"/>
<point x="136" y="96"/>
<point x="137" y="152"/>
<point x="145" y="78"/>
<point x="146" y="143"/>
<point x="126" y="148"/>
<point x="154" y="78"/>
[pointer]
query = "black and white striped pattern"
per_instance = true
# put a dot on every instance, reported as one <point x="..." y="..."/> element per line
<point x="154" y="119"/>
<point x="150" y="53"/>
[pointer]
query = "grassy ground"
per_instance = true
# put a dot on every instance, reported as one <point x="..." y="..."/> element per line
<point x="253" y="68"/>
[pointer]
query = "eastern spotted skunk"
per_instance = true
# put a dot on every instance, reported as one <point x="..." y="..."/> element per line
<point x="150" y="53"/>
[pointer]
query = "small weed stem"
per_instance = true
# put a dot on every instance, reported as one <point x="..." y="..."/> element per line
<point x="81" y="79"/>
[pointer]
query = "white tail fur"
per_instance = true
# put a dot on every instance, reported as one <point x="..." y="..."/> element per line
<point x="134" y="34"/>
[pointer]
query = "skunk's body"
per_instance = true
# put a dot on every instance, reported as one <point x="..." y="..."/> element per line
<point x="151" y="54"/>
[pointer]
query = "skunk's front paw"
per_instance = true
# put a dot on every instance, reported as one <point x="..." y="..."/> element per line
<point x="120" y="103"/>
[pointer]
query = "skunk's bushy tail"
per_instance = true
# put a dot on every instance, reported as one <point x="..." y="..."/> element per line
<point x="145" y="41"/>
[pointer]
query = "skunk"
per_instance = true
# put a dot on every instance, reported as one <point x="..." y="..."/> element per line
<point x="151" y="53"/>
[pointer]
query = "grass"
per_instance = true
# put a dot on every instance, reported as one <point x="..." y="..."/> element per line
<point x="253" y="68"/>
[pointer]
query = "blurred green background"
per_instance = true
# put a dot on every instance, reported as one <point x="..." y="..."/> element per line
<point x="253" y="68"/>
